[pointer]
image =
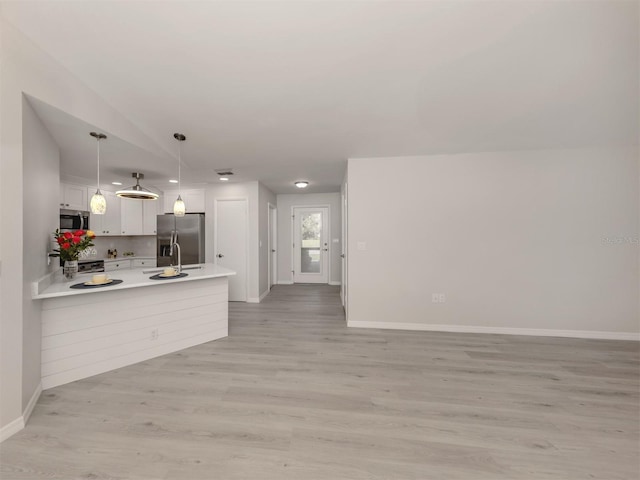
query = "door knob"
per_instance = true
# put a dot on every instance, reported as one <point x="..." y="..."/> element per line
<point x="325" y="249"/>
<point x="219" y="255"/>
<point x="342" y="255"/>
<point x="273" y="251"/>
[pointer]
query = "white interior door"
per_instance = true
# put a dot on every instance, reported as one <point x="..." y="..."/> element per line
<point x="343" y="255"/>
<point x="311" y="244"/>
<point x="231" y="244"/>
<point x="273" y="242"/>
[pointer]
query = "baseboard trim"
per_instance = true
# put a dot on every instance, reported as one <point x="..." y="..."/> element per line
<point x="11" y="428"/>
<point x="19" y="423"/>
<point x="537" y="332"/>
<point x="285" y="282"/>
<point x="258" y="300"/>
<point x="335" y="283"/>
<point x="32" y="403"/>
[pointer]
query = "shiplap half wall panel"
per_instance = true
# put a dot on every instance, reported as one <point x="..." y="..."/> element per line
<point x="92" y="334"/>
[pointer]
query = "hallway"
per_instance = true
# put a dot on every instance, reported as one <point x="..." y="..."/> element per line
<point x="292" y="393"/>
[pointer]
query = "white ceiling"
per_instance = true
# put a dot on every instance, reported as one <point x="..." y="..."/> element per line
<point x="281" y="91"/>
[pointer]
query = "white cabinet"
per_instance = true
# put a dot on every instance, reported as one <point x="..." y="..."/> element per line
<point x="143" y="262"/>
<point x="123" y="217"/>
<point x="139" y="217"/>
<point x="193" y="200"/>
<point x="127" y="263"/>
<point x="150" y="216"/>
<point x="111" y="265"/>
<point x="109" y="223"/>
<point x="73" y="197"/>
<point x="131" y="216"/>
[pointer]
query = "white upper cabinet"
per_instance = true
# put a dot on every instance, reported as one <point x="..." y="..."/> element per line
<point x="132" y="216"/>
<point x="109" y="223"/>
<point x="139" y="217"/>
<point x="73" y="197"/>
<point x="124" y="216"/>
<point x="150" y="216"/>
<point x="193" y="200"/>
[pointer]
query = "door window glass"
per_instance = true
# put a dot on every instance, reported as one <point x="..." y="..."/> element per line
<point x="311" y="230"/>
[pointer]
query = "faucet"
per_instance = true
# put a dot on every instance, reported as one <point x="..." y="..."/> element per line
<point x="174" y="243"/>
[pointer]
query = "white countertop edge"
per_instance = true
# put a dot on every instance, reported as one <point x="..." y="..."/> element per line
<point x="132" y="278"/>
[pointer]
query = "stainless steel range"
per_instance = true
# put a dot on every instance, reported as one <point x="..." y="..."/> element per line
<point x="90" y="266"/>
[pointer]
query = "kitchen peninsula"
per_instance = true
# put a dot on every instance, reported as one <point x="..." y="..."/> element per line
<point x="91" y="331"/>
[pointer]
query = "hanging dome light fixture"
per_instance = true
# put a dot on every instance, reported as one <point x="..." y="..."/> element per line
<point x="179" y="208"/>
<point x="98" y="202"/>
<point x="137" y="191"/>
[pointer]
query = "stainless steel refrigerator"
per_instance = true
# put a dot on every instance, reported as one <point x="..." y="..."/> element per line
<point x="189" y="231"/>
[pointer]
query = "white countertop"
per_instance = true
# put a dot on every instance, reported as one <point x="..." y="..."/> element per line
<point x="132" y="278"/>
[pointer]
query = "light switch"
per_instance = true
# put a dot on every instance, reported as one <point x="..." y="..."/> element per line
<point x="362" y="246"/>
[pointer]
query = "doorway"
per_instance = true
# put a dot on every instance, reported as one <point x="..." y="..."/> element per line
<point x="273" y="241"/>
<point x="310" y="227"/>
<point x="231" y="244"/>
<point x="345" y="242"/>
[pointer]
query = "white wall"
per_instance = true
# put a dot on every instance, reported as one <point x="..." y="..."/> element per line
<point x="265" y="197"/>
<point x="285" y="202"/>
<point x="515" y="240"/>
<point x="41" y="169"/>
<point x="28" y="70"/>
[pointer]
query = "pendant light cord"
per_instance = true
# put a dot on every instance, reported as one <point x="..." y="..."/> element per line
<point x="98" y="164"/>
<point x="179" y="167"/>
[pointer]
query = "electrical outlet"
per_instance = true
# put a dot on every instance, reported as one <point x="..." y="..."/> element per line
<point x="438" y="298"/>
<point x="154" y="334"/>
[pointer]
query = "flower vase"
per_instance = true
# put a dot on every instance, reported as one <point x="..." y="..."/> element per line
<point x="70" y="269"/>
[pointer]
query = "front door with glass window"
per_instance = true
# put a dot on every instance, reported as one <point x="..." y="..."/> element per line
<point x="310" y="245"/>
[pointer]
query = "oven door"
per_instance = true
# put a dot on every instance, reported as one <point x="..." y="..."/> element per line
<point x="90" y="266"/>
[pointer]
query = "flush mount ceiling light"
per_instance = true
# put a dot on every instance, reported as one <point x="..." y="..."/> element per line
<point x="98" y="202"/>
<point x="137" y="192"/>
<point x="179" y="208"/>
<point x="301" y="184"/>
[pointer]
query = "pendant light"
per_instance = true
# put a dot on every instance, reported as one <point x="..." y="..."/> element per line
<point x="179" y="208"/>
<point x="98" y="202"/>
<point x="137" y="192"/>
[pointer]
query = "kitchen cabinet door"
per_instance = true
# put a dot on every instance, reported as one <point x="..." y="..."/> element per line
<point x="110" y="266"/>
<point x="73" y="197"/>
<point x="109" y="223"/>
<point x="149" y="216"/>
<point x="143" y="262"/>
<point x="194" y="200"/>
<point x="131" y="217"/>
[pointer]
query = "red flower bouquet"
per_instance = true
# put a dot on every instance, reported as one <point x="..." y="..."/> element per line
<point x="70" y="244"/>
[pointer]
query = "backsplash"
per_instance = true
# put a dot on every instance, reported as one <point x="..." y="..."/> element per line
<point x="142" y="246"/>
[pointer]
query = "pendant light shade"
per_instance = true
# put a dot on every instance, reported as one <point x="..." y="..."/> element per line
<point x="179" y="208"/>
<point x="98" y="202"/>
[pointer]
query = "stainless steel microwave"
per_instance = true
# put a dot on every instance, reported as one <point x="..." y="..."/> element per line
<point x="73" y="220"/>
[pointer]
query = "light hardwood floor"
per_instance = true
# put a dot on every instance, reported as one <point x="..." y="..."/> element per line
<point x="294" y="394"/>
